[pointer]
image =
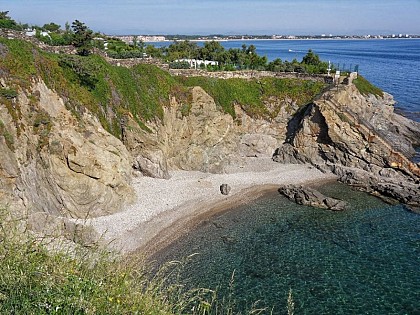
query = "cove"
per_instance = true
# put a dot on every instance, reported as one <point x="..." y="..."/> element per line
<point x="360" y="261"/>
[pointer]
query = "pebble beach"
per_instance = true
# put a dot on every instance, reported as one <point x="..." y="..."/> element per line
<point x="166" y="209"/>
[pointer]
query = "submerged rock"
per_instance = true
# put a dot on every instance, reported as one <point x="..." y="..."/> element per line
<point x="310" y="197"/>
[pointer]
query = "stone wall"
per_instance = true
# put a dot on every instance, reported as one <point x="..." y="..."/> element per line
<point x="245" y="74"/>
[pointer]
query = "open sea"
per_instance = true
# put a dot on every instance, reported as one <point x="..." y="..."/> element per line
<point x="365" y="260"/>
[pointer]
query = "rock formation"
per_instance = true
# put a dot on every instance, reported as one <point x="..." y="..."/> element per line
<point x="311" y="197"/>
<point x="204" y="140"/>
<point x="225" y="189"/>
<point x="360" y="139"/>
<point x="58" y="165"/>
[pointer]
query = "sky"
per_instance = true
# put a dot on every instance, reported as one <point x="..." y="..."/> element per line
<point x="291" y="17"/>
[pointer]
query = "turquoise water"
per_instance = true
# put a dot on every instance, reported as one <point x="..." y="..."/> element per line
<point x="361" y="261"/>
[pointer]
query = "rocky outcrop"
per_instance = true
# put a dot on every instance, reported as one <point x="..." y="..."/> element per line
<point x="360" y="139"/>
<point x="205" y="139"/>
<point x="258" y="145"/>
<point x="58" y="165"/>
<point x="384" y="182"/>
<point x="310" y="197"/>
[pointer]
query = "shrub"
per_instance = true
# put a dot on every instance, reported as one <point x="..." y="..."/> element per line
<point x="179" y="65"/>
<point x="8" y="93"/>
<point x="366" y="88"/>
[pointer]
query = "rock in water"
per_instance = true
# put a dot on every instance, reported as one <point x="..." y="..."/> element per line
<point x="310" y="197"/>
<point x="225" y="189"/>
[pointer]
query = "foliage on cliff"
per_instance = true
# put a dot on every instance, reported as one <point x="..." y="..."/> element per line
<point x="366" y="88"/>
<point x="108" y="91"/>
<point x="251" y="95"/>
<point x="112" y="93"/>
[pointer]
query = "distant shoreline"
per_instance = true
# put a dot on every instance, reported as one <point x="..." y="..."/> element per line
<point x="276" y="39"/>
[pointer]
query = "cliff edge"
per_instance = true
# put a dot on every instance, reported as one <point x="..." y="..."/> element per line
<point x="361" y="139"/>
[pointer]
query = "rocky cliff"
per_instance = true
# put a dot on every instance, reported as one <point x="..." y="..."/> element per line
<point x="52" y="164"/>
<point x="74" y="131"/>
<point x="361" y="139"/>
<point x="204" y="140"/>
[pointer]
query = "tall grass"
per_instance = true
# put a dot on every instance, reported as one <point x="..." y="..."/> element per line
<point x="34" y="280"/>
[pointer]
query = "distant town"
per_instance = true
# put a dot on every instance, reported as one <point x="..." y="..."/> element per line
<point x="129" y="39"/>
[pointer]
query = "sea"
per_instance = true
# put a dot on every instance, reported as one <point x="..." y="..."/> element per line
<point x="272" y="256"/>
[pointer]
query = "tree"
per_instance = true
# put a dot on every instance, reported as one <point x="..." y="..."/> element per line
<point x="51" y="27"/>
<point x="311" y="58"/>
<point x="7" y="22"/>
<point x="82" y="38"/>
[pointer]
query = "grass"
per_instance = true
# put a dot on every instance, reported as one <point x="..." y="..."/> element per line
<point x="34" y="280"/>
<point x="251" y="95"/>
<point x="8" y="93"/>
<point x="366" y="88"/>
<point x="8" y="137"/>
<point x="108" y="92"/>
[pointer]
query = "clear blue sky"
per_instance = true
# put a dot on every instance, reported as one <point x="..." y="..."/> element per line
<point x="225" y="16"/>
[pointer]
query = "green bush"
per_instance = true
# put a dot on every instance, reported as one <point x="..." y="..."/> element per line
<point x="366" y="88"/>
<point x="8" y="93"/>
<point x="179" y="65"/>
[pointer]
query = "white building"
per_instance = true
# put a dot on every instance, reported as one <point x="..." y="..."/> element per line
<point x="196" y="63"/>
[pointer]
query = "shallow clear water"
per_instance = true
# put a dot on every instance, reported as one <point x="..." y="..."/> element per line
<point x="361" y="261"/>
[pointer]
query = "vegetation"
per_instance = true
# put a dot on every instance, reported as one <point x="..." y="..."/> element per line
<point x="112" y="92"/>
<point x="7" y="136"/>
<point x="242" y="58"/>
<point x="82" y="38"/>
<point x="8" y="23"/>
<point x="251" y="95"/>
<point x="36" y="281"/>
<point x="8" y="93"/>
<point x="109" y="92"/>
<point x="366" y="88"/>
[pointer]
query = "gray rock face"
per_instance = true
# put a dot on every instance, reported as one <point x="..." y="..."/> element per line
<point x="396" y="187"/>
<point x="257" y="145"/>
<point x="287" y="154"/>
<point x="206" y="139"/>
<point x="310" y="197"/>
<point x="361" y="140"/>
<point x="60" y="167"/>
<point x="225" y="189"/>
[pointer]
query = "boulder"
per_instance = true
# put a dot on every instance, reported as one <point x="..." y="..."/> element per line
<point x="225" y="189"/>
<point x="152" y="163"/>
<point x="310" y="197"/>
<point x="287" y="154"/>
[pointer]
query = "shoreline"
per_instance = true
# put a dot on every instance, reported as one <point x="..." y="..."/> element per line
<point x="184" y="225"/>
<point x="276" y="39"/>
<point x="167" y="209"/>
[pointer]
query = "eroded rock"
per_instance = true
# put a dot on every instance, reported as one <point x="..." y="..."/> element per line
<point x="310" y="197"/>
